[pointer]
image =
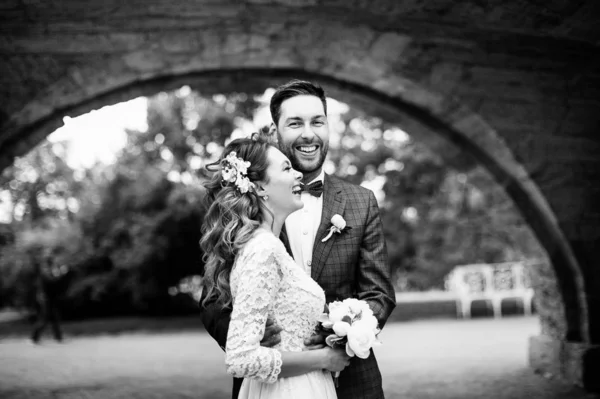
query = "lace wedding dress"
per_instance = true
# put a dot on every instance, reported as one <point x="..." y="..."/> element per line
<point x="265" y="281"/>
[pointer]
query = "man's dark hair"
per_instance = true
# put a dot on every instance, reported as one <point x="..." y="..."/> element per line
<point x="295" y="88"/>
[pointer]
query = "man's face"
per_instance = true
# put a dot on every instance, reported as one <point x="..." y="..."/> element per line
<point x="303" y="132"/>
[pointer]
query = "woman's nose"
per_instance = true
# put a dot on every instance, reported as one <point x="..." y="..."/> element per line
<point x="299" y="175"/>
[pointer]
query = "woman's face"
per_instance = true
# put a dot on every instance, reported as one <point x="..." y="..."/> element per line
<point x="283" y="187"/>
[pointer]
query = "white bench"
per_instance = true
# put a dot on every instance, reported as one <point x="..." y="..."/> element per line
<point x="491" y="283"/>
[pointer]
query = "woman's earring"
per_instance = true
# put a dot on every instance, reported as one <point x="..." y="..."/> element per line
<point x="265" y="197"/>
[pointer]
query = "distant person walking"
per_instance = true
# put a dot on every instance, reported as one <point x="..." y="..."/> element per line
<point x="49" y="287"/>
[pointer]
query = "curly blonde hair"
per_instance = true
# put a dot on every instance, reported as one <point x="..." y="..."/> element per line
<point x="231" y="218"/>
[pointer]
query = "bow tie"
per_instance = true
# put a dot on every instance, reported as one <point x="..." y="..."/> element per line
<point x="315" y="188"/>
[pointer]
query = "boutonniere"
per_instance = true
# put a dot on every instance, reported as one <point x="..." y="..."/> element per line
<point x="338" y="225"/>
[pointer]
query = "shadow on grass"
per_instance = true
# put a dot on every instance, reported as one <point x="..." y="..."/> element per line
<point x="21" y="328"/>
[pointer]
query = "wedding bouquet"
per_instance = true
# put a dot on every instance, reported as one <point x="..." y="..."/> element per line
<point x="352" y="325"/>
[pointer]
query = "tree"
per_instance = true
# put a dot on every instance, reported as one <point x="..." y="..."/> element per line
<point x="434" y="217"/>
<point x="44" y="192"/>
<point x="42" y="184"/>
<point x="145" y="226"/>
<point x="129" y="231"/>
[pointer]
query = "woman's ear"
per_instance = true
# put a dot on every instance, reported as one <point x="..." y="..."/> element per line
<point x="260" y="191"/>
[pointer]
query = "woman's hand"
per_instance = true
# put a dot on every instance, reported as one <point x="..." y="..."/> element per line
<point x="335" y="359"/>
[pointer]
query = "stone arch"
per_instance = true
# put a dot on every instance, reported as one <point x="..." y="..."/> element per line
<point x="472" y="139"/>
<point x="513" y="85"/>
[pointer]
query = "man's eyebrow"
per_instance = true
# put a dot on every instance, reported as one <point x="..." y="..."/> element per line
<point x="293" y="118"/>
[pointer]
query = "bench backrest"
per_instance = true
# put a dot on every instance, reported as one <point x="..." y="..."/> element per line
<point x="484" y="280"/>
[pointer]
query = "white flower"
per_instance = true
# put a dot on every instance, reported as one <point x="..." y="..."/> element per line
<point x="244" y="184"/>
<point x="234" y="170"/>
<point x="341" y="328"/>
<point x="242" y="167"/>
<point x="355" y="305"/>
<point x="369" y="322"/>
<point x="360" y="340"/>
<point x="325" y="322"/>
<point x="337" y="311"/>
<point x="228" y="175"/>
<point x="333" y="339"/>
<point x="366" y="313"/>
<point x="232" y="158"/>
<point x="338" y="222"/>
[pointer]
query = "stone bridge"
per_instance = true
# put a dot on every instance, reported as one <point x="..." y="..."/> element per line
<point x="511" y="85"/>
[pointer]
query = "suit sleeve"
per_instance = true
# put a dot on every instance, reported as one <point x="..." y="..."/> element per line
<point x="374" y="283"/>
<point x="216" y="321"/>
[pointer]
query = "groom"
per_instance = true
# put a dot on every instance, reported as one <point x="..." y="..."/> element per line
<point x="352" y="264"/>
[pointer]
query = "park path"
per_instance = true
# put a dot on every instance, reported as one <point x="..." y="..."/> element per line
<point x="442" y="359"/>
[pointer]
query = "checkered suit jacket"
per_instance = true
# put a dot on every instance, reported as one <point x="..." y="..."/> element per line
<point x="351" y="264"/>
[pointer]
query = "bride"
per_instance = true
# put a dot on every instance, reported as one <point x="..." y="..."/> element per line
<point x="248" y="269"/>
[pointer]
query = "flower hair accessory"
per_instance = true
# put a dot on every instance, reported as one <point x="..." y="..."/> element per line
<point x="234" y="170"/>
<point x="338" y="225"/>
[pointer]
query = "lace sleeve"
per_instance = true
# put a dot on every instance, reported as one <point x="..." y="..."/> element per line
<point x="258" y="278"/>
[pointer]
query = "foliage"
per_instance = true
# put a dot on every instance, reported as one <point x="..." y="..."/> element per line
<point x="129" y="231"/>
<point x="434" y="217"/>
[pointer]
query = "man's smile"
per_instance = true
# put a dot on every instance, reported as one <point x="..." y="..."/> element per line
<point x="307" y="149"/>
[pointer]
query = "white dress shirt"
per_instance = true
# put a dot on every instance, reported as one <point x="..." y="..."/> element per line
<point x="302" y="225"/>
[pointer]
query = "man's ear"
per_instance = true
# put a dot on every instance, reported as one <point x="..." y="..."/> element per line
<point x="273" y="134"/>
<point x="269" y="133"/>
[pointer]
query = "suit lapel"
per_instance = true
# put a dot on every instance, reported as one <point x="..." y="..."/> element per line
<point x="286" y="241"/>
<point x="333" y="203"/>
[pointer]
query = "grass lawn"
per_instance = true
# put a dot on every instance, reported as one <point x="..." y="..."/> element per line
<point x="175" y="358"/>
<point x="410" y="307"/>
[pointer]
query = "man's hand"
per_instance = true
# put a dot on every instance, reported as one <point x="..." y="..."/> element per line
<point x="315" y="341"/>
<point x="271" y="337"/>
